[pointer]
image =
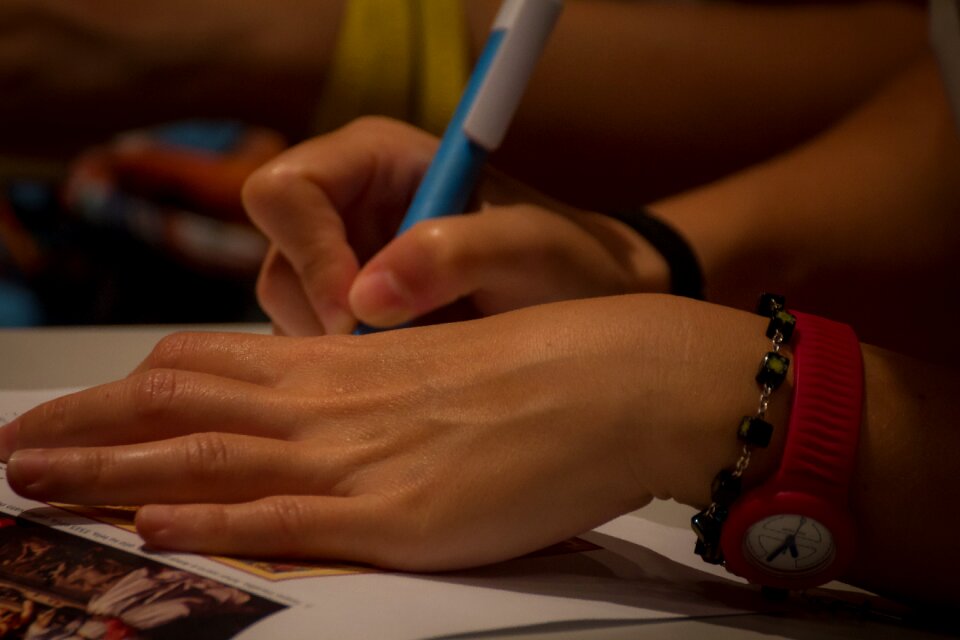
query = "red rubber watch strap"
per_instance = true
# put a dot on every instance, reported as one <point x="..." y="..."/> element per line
<point x="821" y="443"/>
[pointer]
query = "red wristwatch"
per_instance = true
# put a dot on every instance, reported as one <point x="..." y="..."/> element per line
<point x="795" y="531"/>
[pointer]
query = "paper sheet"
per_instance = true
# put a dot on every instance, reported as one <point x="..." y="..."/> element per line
<point x="99" y="574"/>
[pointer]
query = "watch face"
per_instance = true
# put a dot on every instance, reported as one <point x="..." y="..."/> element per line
<point x="789" y="544"/>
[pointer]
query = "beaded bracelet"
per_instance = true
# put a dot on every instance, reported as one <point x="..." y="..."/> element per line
<point x="753" y="431"/>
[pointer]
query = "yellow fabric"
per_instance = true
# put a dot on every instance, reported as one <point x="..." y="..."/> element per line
<point x="444" y="62"/>
<point x="405" y="59"/>
<point x="371" y="67"/>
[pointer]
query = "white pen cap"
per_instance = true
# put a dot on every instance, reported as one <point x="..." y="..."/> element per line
<point x="526" y="25"/>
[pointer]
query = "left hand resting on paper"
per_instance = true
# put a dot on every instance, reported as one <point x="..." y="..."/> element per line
<point x="421" y="449"/>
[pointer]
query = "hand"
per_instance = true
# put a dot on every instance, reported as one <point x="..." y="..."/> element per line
<point x="424" y="449"/>
<point x="331" y="206"/>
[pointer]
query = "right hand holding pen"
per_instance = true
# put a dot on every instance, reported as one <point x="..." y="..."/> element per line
<point x="331" y="206"/>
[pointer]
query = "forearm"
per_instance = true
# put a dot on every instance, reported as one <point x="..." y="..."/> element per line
<point x="869" y="209"/>
<point x="635" y="100"/>
<point x="906" y="486"/>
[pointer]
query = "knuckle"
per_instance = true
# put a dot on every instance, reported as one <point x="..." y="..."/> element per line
<point x="433" y="240"/>
<point x="374" y="125"/>
<point x="206" y="455"/>
<point x="96" y="467"/>
<point x="267" y="186"/>
<point x="54" y="415"/>
<point x="156" y="392"/>
<point x="379" y="135"/>
<point x="291" y="518"/>
<point x="170" y="350"/>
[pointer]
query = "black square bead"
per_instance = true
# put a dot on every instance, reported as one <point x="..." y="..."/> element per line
<point x="725" y="488"/>
<point x="720" y="513"/>
<point x="773" y="370"/>
<point x="770" y="303"/>
<point x="784" y="322"/>
<point x="755" y="431"/>
<point x="707" y="526"/>
<point x="709" y="552"/>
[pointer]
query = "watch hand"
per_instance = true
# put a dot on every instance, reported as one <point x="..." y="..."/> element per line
<point x="803" y="521"/>
<point x="794" y="552"/>
<point x="786" y="544"/>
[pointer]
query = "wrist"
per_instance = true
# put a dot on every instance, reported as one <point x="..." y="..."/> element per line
<point x="705" y="370"/>
<point x="722" y="450"/>
<point x="796" y="530"/>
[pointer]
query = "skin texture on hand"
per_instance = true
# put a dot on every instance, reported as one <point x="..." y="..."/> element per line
<point x="332" y="204"/>
<point x="426" y="448"/>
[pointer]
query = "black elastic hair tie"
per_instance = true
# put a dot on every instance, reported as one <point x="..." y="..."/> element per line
<point x="686" y="277"/>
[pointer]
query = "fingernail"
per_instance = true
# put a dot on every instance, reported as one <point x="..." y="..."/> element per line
<point x="27" y="468"/>
<point x="379" y="295"/>
<point x="8" y="439"/>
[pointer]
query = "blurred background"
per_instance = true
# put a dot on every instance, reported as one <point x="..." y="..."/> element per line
<point x="127" y="129"/>
<point x="126" y="132"/>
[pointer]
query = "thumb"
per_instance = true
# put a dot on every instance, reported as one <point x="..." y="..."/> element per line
<point x="502" y="257"/>
<point x="408" y="277"/>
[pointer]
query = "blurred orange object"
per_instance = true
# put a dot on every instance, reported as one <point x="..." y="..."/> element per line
<point x="177" y="187"/>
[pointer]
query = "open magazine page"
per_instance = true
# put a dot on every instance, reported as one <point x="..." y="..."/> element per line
<point x="80" y="572"/>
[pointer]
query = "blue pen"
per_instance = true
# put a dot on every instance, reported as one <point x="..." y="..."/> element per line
<point x="516" y="40"/>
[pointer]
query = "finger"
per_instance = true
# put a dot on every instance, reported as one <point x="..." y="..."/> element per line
<point x="283" y="299"/>
<point x="299" y="219"/>
<point x="362" y="176"/>
<point x="246" y="357"/>
<point x="154" y="405"/>
<point x="348" y="529"/>
<point x="202" y="467"/>
<point x="504" y="257"/>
